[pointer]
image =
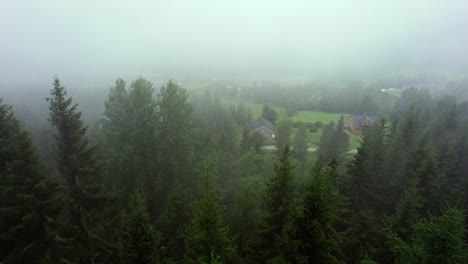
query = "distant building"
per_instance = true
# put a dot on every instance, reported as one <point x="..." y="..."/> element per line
<point x="360" y="123"/>
<point x="264" y="127"/>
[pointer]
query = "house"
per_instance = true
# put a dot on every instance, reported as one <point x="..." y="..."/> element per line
<point x="264" y="127"/>
<point x="359" y="123"/>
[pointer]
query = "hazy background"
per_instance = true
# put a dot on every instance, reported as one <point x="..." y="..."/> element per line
<point x="97" y="41"/>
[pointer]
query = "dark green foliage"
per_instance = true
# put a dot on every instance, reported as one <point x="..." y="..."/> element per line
<point x="407" y="211"/>
<point x="334" y="142"/>
<point x="257" y="141"/>
<point x="364" y="186"/>
<point x="278" y="205"/>
<point x="269" y="113"/>
<point x="246" y="141"/>
<point x="436" y="239"/>
<point x="283" y="136"/>
<point x="313" y="237"/>
<point x="207" y="239"/>
<point x="140" y="241"/>
<point x="175" y="139"/>
<point x="29" y="202"/>
<point x="380" y="205"/>
<point x="129" y="135"/>
<point x="423" y="168"/>
<point x="176" y="216"/>
<point x="401" y="143"/>
<point x="300" y="145"/>
<point x="81" y="175"/>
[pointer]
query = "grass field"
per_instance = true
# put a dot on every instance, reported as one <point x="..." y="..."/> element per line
<point x="314" y="140"/>
<point x="256" y="108"/>
<point x="301" y="116"/>
<point x="313" y="116"/>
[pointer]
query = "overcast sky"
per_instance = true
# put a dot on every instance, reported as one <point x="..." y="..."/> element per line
<point x="85" y="39"/>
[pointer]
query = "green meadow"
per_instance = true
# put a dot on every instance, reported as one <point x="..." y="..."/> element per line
<point x="300" y="116"/>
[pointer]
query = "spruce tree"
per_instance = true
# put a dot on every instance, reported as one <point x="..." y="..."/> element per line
<point x="424" y="168"/>
<point x="365" y="184"/>
<point x="282" y="137"/>
<point x="175" y="140"/>
<point x="207" y="239"/>
<point x="436" y="239"/>
<point x="402" y="140"/>
<point x="300" y="145"/>
<point x="176" y="216"/>
<point x="141" y="241"/>
<point x="278" y="207"/>
<point x="313" y="237"/>
<point x="129" y="127"/>
<point x="30" y="203"/>
<point x="82" y="177"/>
<point x="334" y="142"/>
<point x="246" y="142"/>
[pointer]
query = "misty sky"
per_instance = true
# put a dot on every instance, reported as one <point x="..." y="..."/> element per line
<point x="86" y="39"/>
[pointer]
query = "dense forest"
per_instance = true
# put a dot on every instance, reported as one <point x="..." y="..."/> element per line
<point x="169" y="176"/>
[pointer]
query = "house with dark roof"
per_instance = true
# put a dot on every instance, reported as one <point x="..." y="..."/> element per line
<point x="264" y="127"/>
<point x="360" y="123"/>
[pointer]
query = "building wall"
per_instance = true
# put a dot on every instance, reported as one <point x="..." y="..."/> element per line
<point x="354" y="130"/>
<point x="267" y="135"/>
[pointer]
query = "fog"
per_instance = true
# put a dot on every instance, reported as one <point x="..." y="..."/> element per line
<point x="99" y="41"/>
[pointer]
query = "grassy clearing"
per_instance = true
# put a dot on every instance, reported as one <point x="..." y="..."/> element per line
<point x="355" y="141"/>
<point x="301" y="116"/>
<point x="314" y="116"/>
<point x="256" y="108"/>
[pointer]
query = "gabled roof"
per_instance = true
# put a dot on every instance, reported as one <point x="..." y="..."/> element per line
<point x="357" y="119"/>
<point x="259" y="123"/>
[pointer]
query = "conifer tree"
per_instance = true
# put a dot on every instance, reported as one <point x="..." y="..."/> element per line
<point x="176" y="216"/>
<point x="313" y="237"/>
<point x="30" y="203"/>
<point x="423" y="167"/>
<point x="283" y="136"/>
<point x="334" y="142"/>
<point x="278" y="205"/>
<point x="365" y="182"/>
<point x="141" y="241"/>
<point x="436" y="239"/>
<point x="300" y="144"/>
<point x="207" y="238"/>
<point x="402" y="140"/>
<point x="407" y="211"/>
<point x="175" y="139"/>
<point x="129" y="127"/>
<point x="245" y="143"/>
<point x="82" y="177"/>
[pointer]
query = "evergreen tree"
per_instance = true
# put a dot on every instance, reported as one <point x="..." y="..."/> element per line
<point x="424" y="168"/>
<point x="407" y="211"/>
<point x="283" y="136"/>
<point x="207" y="240"/>
<point x="436" y="239"/>
<point x="278" y="205"/>
<point x="313" y="234"/>
<point x="29" y="202"/>
<point x="175" y="139"/>
<point x="269" y="113"/>
<point x="334" y="142"/>
<point x="82" y="177"/>
<point x="176" y="216"/>
<point x="141" y="241"/>
<point x="129" y="127"/>
<point x="365" y="183"/>
<point x="245" y="143"/>
<point x="403" y="137"/>
<point x="300" y="144"/>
